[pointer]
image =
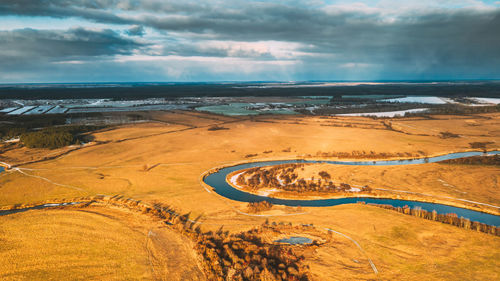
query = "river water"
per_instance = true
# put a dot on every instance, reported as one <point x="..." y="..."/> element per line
<point x="222" y="187"/>
<point x="218" y="182"/>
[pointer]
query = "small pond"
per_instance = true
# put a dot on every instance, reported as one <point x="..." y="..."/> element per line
<point x="294" y="240"/>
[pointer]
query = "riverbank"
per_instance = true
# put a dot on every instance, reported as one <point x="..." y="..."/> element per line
<point x="375" y="193"/>
<point x="401" y="195"/>
<point x="4" y="166"/>
<point x="398" y="162"/>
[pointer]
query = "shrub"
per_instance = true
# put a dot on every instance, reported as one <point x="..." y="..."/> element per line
<point x="255" y="207"/>
<point x="217" y="127"/>
<point x="448" y="135"/>
<point x="481" y="145"/>
<point x="324" y="175"/>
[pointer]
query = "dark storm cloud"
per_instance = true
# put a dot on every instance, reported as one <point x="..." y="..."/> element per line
<point x="449" y="42"/>
<point x="442" y="42"/>
<point x="256" y="21"/>
<point x="244" y="19"/>
<point x="93" y="10"/>
<point x="464" y="39"/>
<point x="24" y="47"/>
<point x="136" y="30"/>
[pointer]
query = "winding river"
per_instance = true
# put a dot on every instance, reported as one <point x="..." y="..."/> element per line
<point x="218" y="182"/>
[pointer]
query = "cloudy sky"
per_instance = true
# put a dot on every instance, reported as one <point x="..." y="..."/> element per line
<point x="240" y="40"/>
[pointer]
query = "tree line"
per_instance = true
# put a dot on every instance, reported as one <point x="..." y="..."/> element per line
<point x="55" y="137"/>
<point x="357" y="154"/>
<point x="450" y="218"/>
<point x="242" y="256"/>
<point x="491" y="160"/>
<point x="14" y="126"/>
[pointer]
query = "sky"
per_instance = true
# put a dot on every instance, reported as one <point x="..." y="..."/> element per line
<point x="54" y="41"/>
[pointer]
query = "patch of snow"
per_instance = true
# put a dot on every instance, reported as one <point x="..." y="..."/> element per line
<point x="487" y="100"/>
<point x="385" y="114"/>
<point x="412" y="99"/>
<point x="267" y="192"/>
<point x="234" y="178"/>
<point x="8" y="109"/>
<point x="12" y="140"/>
<point x="52" y="205"/>
<point x="57" y="109"/>
<point x="21" y="110"/>
<point x="39" y="110"/>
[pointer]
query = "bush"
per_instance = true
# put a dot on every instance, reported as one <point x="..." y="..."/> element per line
<point x="448" y="135"/>
<point x="217" y="127"/>
<point x="481" y="145"/>
<point x="255" y="207"/>
<point x="324" y="175"/>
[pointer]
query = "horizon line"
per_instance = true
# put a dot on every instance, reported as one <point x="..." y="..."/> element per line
<point x="257" y="81"/>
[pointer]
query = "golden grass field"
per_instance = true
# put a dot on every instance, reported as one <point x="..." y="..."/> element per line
<point x="162" y="161"/>
<point x="92" y="244"/>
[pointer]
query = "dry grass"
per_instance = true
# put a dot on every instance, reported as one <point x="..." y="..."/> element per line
<point x="92" y="244"/>
<point x="179" y="158"/>
<point x="403" y="247"/>
<point x="140" y="130"/>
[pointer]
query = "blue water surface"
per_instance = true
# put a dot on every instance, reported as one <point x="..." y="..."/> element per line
<point x="218" y="182"/>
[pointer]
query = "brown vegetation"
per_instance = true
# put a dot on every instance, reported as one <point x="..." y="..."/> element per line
<point x="256" y="207"/>
<point x="217" y="128"/>
<point x="451" y="218"/>
<point x="356" y="154"/>
<point x="284" y="177"/>
<point x="490" y="160"/>
<point x="456" y="109"/>
<point x="480" y="145"/>
<point x="448" y="135"/>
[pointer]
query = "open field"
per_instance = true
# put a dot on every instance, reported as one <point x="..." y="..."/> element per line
<point x="92" y="244"/>
<point x="160" y="165"/>
<point x="162" y="162"/>
<point x="105" y="239"/>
